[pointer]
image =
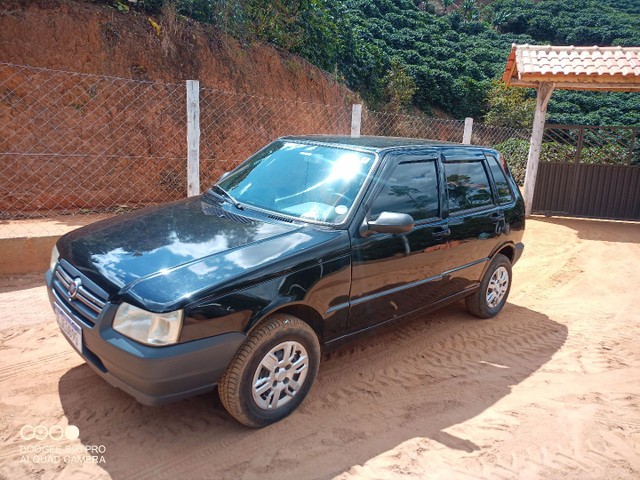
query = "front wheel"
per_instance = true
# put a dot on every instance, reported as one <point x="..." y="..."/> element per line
<point x="272" y="372"/>
<point x="489" y="299"/>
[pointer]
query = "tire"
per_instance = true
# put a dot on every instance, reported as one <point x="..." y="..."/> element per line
<point x="272" y="372"/>
<point x="494" y="289"/>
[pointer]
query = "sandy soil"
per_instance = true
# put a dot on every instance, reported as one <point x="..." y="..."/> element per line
<point x="549" y="389"/>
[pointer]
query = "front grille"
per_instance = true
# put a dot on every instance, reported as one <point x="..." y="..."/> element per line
<point x="87" y="302"/>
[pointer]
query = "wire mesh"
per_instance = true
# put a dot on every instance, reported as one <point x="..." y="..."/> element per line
<point x="490" y="136"/>
<point x="411" y="126"/>
<point x="233" y="126"/>
<point x="75" y="143"/>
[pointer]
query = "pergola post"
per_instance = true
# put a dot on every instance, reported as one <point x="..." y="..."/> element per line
<point x="545" y="89"/>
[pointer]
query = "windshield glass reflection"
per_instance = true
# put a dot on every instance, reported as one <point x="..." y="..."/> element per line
<point x="310" y="182"/>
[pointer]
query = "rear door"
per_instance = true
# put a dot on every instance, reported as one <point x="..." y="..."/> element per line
<point x="475" y="219"/>
<point x="393" y="274"/>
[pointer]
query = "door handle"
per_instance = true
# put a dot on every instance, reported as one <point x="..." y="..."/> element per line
<point x="441" y="232"/>
<point x="497" y="217"/>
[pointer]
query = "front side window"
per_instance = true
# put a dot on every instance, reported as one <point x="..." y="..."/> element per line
<point x="467" y="185"/>
<point x="310" y="182"/>
<point x="412" y="188"/>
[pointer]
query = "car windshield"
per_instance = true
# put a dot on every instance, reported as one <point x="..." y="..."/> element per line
<point x="311" y="182"/>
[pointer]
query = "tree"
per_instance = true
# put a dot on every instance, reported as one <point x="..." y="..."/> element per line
<point x="399" y="86"/>
<point x="470" y="10"/>
<point x="509" y="106"/>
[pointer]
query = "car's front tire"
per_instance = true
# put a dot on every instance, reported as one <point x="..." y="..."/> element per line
<point x="494" y="289"/>
<point x="272" y="372"/>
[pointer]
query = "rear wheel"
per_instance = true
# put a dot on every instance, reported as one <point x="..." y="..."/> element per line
<point x="494" y="289"/>
<point x="272" y="372"/>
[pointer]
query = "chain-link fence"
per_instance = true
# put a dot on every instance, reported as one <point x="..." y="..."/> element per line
<point x="412" y="126"/>
<point x="489" y="136"/>
<point x="75" y="143"/>
<point x="512" y="142"/>
<point x="235" y="125"/>
<point x="75" y="147"/>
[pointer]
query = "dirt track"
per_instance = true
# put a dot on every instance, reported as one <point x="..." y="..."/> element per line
<point x="549" y="389"/>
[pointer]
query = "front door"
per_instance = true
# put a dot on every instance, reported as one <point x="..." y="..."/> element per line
<point x="394" y="274"/>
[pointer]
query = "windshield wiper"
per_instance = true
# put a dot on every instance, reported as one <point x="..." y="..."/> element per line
<point x="223" y="193"/>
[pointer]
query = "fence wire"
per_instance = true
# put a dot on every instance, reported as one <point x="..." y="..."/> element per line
<point x="489" y="136"/>
<point x="411" y="126"/>
<point x="80" y="143"/>
<point x="75" y="145"/>
<point x="233" y="126"/>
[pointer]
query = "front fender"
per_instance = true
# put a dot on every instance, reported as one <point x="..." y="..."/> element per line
<point x="319" y="287"/>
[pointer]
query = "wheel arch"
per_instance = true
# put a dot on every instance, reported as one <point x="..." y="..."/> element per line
<point x="508" y="250"/>
<point x="299" y="310"/>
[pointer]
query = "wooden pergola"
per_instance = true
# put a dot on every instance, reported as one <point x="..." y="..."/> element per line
<point x="546" y="68"/>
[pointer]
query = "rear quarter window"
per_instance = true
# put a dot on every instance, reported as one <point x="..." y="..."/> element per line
<point x="468" y="185"/>
<point x="503" y="190"/>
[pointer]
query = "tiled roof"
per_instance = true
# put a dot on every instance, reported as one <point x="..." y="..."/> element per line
<point x="571" y="67"/>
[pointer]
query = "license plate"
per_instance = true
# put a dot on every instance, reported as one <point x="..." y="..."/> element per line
<point x="70" y="328"/>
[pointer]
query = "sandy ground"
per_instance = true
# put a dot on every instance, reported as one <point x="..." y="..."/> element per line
<point x="548" y="390"/>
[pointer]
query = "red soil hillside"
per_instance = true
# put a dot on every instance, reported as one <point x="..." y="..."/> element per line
<point x="124" y="138"/>
<point x="98" y="39"/>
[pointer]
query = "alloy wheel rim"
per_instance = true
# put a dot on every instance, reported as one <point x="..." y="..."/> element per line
<point x="497" y="288"/>
<point x="280" y="375"/>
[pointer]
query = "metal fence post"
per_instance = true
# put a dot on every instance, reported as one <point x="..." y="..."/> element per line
<point x="193" y="138"/>
<point x="356" y="119"/>
<point x="468" y="128"/>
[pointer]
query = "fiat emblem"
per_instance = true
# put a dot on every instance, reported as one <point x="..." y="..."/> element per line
<point x="73" y="287"/>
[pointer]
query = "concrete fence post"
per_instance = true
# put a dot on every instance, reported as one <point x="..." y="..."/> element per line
<point x="468" y="129"/>
<point x="356" y="119"/>
<point x="193" y="138"/>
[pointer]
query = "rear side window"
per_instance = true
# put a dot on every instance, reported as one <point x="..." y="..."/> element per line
<point x="413" y="189"/>
<point x="502" y="186"/>
<point x="467" y="186"/>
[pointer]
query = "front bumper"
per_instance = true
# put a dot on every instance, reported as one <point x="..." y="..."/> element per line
<point x="152" y="375"/>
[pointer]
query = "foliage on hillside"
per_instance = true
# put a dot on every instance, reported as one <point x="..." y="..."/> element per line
<point x="509" y="107"/>
<point x="439" y="53"/>
<point x="567" y="22"/>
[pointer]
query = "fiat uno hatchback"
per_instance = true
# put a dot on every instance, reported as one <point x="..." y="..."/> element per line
<point x="310" y="241"/>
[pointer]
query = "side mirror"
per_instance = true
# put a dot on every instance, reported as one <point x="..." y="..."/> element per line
<point x="223" y="176"/>
<point x="388" y="222"/>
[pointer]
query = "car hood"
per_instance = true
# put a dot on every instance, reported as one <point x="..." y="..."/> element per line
<point x="161" y="255"/>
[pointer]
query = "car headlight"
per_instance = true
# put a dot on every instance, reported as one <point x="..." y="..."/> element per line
<point x="55" y="255"/>
<point x="154" y="329"/>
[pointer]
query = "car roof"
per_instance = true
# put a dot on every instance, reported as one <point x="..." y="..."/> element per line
<point x="376" y="144"/>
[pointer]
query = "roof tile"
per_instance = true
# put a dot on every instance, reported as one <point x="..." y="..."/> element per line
<point x="546" y="60"/>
